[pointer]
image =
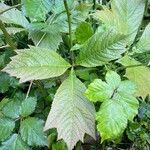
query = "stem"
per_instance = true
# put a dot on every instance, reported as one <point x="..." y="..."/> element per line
<point x="7" y="36"/>
<point x="10" y="8"/>
<point x="29" y="89"/>
<point x="70" y="29"/>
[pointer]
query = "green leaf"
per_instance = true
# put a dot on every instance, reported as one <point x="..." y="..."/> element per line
<point x="60" y="145"/>
<point x="101" y="48"/>
<point x="31" y="131"/>
<point x="49" y="37"/>
<point x="12" y="109"/>
<point x="12" y="30"/>
<point x="3" y="102"/>
<point x="13" y="16"/>
<point x="119" y="104"/>
<point x="37" y="9"/>
<point x="83" y="32"/>
<point x="14" y="143"/>
<point x="144" y="43"/>
<point x="27" y="63"/>
<point x="98" y="91"/>
<point x="4" y="82"/>
<point x="28" y="106"/>
<point x="138" y="74"/>
<point x="6" y="128"/>
<point x="71" y="113"/>
<point x="111" y="120"/>
<point x="130" y="14"/>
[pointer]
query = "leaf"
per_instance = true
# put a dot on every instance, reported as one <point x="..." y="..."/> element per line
<point x="130" y="14"/>
<point x="3" y="102"/>
<point x="37" y="9"/>
<point x="47" y="40"/>
<point x="12" y="30"/>
<point x="138" y="74"/>
<point x="98" y="90"/>
<point x="14" y="143"/>
<point x="83" y="32"/>
<point x="111" y="120"/>
<point x="119" y="104"/>
<point x="28" y="106"/>
<point x="13" y="16"/>
<point x="4" y="82"/>
<point x="59" y="145"/>
<point x="27" y="63"/>
<point x="12" y="109"/>
<point x="144" y="43"/>
<point x="6" y="128"/>
<point x="71" y="113"/>
<point x="31" y="131"/>
<point x="101" y="48"/>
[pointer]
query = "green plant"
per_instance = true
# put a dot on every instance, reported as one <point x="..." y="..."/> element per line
<point x="75" y="42"/>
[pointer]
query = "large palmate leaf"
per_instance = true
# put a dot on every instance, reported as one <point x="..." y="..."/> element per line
<point x="71" y="113"/>
<point x="13" y="16"/>
<point x="6" y="127"/>
<point x="144" y="43"/>
<point x="130" y="14"/>
<point x="119" y="105"/>
<point x="139" y="74"/>
<point x="36" y="63"/>
<point x="14" y="143"/>
<point x="31" y="130"/>
<point x="101" y="48"/>
<point x="37" y="9"/>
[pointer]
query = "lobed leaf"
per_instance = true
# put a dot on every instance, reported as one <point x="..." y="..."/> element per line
<point x="71" y="113"/>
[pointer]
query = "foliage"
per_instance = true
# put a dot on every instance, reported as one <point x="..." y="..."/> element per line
<point x="85" y="61"/>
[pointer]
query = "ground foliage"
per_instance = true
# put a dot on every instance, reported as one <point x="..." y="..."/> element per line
<point x="74" y="74"/>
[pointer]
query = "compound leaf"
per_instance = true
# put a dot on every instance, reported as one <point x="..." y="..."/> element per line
<point x="119" y="105"/>
<point x="71" y="113"/>
<point x="36" y="63"/>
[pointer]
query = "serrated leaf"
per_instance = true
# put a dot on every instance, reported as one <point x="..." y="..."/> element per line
<point x="27" y="63"/>
<point x="31" y="131"/>
<point x="117" y="108"/>
<point x="111" y="120"/>
<point x="12" y="109"/>
<point x="130" y="14"/>
<point x="71" y="113"/>
<point x="13" y="16"/>
<point x="14" y="143"/>
<point x="83" y="32"/>
<point x="125" y="17"/>
<point x="138" y="74"/>
<point x="144" y="43"/>
<point x="37" y="9"/>
<point x="101" y="48"/>
<point x="98" y="90"/>
<point x="6" y="128"/>
<point x="28" y="106"/>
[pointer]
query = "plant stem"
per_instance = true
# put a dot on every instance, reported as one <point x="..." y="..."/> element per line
<point x="7" y="36"/>
<point x="70" y="29"/>
<point x="29" y="89"/>
<point x="10" y="8"/>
